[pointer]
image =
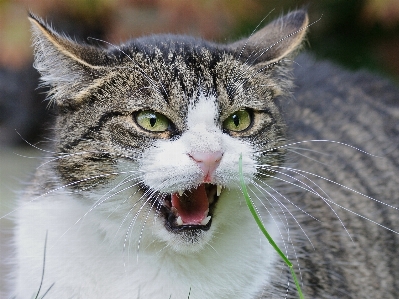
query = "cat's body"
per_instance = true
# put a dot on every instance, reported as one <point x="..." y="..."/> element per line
<point x="361" y="110"/>
<point x="139" y="125"/>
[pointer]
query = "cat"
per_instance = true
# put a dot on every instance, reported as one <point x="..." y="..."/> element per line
<point x="139" y="195"/>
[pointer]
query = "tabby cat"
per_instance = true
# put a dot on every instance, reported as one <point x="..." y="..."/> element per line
<point x="139" y="195"/>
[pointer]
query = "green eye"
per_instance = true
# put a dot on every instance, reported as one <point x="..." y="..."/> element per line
<point x="238" y="121"/>
<point x="152" y="121"/>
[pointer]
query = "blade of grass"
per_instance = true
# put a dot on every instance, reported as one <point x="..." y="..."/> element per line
<point x="263" y="229"/>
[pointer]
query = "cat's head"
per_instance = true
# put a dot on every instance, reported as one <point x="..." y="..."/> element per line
<point x="157" y="125"/>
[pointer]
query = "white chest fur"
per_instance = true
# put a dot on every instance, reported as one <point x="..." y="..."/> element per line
<point x="86" y="259"/>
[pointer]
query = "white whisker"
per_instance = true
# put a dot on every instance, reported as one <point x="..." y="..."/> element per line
<point x="71" y="184"/>
<point x="292" y="216"/>
<point x="338" y="184"/>
<point x="326" y="199"/>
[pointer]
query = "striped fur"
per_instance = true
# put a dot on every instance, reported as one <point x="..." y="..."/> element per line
<point x="103" y="196"/>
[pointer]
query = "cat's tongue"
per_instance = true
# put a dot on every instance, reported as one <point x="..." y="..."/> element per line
<point x="192" y="206"/>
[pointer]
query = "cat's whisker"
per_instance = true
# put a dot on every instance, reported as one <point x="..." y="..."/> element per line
<point x="285" y="223"/>
<point x="286" y="226"/>
<point x="307" y="157"/>
<point x="253" y="32"/>
<point x="336" y="183"/>
<point x="290" y="202"/>
<point x="262" y="190"/>
<point x="34" y="146"/>
<point x="364" y="217"/>
<point x="148" y="211"/>
<point x="85" y="215"/>
<point x="65" y="186"/>
<point x="123" y="190"/>
<point x="328" y="201"/>
<point x="103" y="199"/>
<point x="325" y="198"/>
<point x="146" y="197"/>
<point x="294" y="149"/>
<point x="163" y="248"/>
<point x="263" y="51"/>
<point x="270" y="66"/>
<point x="133" y="206"/>
<point x="289" y="239"/>
<point x="89" y="153"/>
<point x="213" y="248"/>
<point x="149" y="196"/>
<point x="322" y="141"/>
<point x="157" y="211"/>
<point x="257" y="54"/>
<point x="35" y="157"/>
<point x="286" y="198"/>
<point x="126" y="240"/>
<point x="250" y="60"/>
<point x="149" y="208"/>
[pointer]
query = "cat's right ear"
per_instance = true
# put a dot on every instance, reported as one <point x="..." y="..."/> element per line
<point x="62" y="63"/>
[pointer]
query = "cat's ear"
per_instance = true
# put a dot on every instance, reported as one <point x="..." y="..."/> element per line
<point x="63" y="64"/>
<point x="275" y="41"/>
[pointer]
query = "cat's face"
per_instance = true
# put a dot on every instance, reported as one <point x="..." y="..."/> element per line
<point x="157" y="126"/>
<point x="194" y="177"/>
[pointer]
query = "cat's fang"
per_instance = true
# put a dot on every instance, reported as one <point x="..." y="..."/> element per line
<point x="206" y="220"/>
<point x="218" y="190"/>
<point x="179" y="221"/>
<point x="181" y="192"/>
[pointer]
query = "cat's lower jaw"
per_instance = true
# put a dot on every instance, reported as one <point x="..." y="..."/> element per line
<point x="89" y="256"/>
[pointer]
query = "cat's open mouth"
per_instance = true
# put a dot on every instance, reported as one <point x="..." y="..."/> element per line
<point x="191" y="209"/>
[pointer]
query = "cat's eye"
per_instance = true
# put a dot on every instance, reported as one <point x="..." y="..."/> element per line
<point x="238" y="121"/>
<point x="152" y="121"/>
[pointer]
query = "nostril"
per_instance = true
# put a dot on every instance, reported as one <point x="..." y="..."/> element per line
<point x="207" y="157"/>
<point x="207" y="161"/>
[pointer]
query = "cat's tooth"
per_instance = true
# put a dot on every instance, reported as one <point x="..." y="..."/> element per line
<point x="179" y="221"/>
<point x="180" y="192"/>
<point x="218" y="190"/>
<point x="206" y="220"/>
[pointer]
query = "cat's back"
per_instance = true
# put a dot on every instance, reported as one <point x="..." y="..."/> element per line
<point x="355" y="237"/>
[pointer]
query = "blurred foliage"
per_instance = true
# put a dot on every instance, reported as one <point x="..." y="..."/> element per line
<point x="357" y="33"/>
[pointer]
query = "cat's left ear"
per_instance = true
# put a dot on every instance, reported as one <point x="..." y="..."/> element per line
<point x="64" y="64"/>
<point x="277" y="40"/>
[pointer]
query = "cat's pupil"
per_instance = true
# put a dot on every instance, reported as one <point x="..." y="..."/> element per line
<point x="153" y="120"/>
<point x="236" y="120"/>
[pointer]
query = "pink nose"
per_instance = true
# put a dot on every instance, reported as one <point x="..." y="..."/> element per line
<point x="208" y="162"/>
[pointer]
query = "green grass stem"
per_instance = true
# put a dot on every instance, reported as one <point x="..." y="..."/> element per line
<point x="263" y="229"/>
